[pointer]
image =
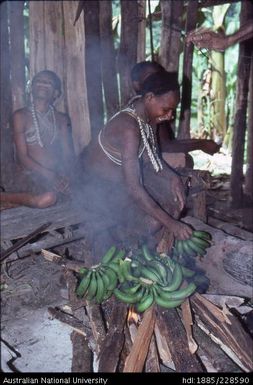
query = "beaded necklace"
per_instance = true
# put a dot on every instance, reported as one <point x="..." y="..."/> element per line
<point x="148" y="138"/>
<point x="46" y="131"/>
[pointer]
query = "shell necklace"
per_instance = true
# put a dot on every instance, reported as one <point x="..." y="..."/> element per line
<point x="45" y="128"/>
<point x="149" y="142"/>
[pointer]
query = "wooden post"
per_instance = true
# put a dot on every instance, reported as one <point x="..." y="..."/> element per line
<point x="249" y="172"/>
<point x="75" y="91"/>
<point x="108" y="58"/>
<point x="172" y="12"/>
<point x="93" y="64"/>
<point x="5" y="99"/>
<point x="37" y="37"/>
<point x="141" y="38"/>
<point x="17" y="54"/>
<point x="128" y="47"/>
<point x="185" y="114"/>
<point x="241" y="111"/>
<point x="54" y="42"/>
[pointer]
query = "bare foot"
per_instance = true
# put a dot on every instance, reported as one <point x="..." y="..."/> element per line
<point x="43" y="200"/>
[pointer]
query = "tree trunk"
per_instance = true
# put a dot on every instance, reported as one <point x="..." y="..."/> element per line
<point x="17" y="51"/>
<point x="37" y="37"/>
<point x="108" y="59"/>
<point x="249" y="171"/>
<point x="185" y="113"/>
<point x="141" y="43"/>
<point x="54" y="42"/>
<point x="218" y="82"/>
<point x="5" y="99"/>
<point x="128" y="47"/>
<point x="172" y="12"/>
<point x="75" y="77"/>
<point x="240" y="114"/>
<point x="93" y="64"/>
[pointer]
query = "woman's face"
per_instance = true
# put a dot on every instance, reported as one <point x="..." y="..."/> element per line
<point x="43" y="87"/>
<point x="161" y="107"/>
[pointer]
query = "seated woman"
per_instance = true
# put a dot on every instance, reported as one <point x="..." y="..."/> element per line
<point x="126" y="184"/>
<point x="43" y="144"/>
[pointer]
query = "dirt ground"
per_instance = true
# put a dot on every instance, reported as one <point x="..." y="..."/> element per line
<point x="31" y="341"/>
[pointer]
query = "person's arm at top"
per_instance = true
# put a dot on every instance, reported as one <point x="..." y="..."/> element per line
<point x="187" y="145"/>
<point x="206" y="38"/>
<point x="131" y="172"/>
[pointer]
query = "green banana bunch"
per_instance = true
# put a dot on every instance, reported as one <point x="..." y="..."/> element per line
<point x="98" y="282"/>
<point x="196" y="245"/>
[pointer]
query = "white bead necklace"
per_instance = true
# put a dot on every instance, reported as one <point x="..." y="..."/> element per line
<point x="43" y="133"/>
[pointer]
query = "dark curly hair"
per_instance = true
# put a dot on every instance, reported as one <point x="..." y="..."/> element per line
<point x="161" y="82"/>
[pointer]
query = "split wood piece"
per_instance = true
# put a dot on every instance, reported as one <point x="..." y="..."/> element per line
<point x="85" y="358"/>
<point x="126" y="348"/>
<point x="152" y="361"/>
<point x="225" y="330"/>
<point x="113" y="342"/>
<point x="23" y="241"/>
<point x="82" y="356"/>
<point x="48" y="243"/>
<point x="166" y="242"/>
<point x="97" y="325"/>
<point x="65" y="318"/>
<point x="163" y="348"/>
<point x="187" y="321"/>
<point x="75" y="303"/>
<point x="173" y="331"/>
<point x="136" y="359"/>
<point x="53" y="257"/>
<point x="199" y="200"/>
<point x="211" y="355"/>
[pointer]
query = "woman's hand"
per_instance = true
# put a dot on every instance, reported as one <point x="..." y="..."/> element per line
<point x="210" y="147"/>
<point x="178" y="191"/>
<point x="181" y="231"/>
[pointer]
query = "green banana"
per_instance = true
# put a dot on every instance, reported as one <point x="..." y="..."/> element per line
<point x="104" y="276"/>
<point x="145" y="302"/>
<point x="113" y="278"/>
<point x="179" y="247"/>
<point x="197" y="249"/>
<point x="127" y="298"/>
<point x="92" y="289"/>
<point x="114" y="266"/>
<point x="84" y="284"/>
<point x="125" y="270"/>
<point x="108" y="255"/>
<point x="167" y="304"/>
<point x="146" y="253"/>
<point x="187" y="249"/>
<point x="177" y="278"/>
<point x="133" y="289"/>
<point x="119" y="255"/>
<point x="178" y="294"/>
<point x="161" y="270"/>
<point x="150" y="274"/>
<point x="200" y="242"/>
<point x="202" y="234"/>
<point x="100" y="288"/>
